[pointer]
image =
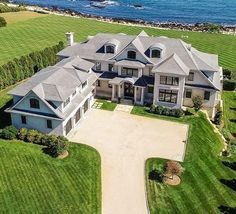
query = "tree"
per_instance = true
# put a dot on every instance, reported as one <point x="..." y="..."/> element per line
<point x="3" y="22"/>
<point x="173" y="168"/>
<point x="197" y="102"/>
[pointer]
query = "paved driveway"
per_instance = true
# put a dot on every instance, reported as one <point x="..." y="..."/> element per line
<point x="125" y="141"/>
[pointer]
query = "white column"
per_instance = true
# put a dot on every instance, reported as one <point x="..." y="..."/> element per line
<point x="135" y="94"/>
<point x="142" y="95"/>
<point x="119" y="92"/>
<point x="113" y="91"/>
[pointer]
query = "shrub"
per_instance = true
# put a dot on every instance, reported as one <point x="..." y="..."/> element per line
<point x="159" y="110"/>
<point x="156" y="175"/>
<point x="226" y="73"/>
<point x="9" y="133"/>
<point x="197" y="102"/>
<point x="229" y="85"/>
<point x="31" y="135"/>
<point x="38" y="138"/>
<point x="218" y="117"/>
<point x="51" y="140"/>
<point x="152" y="108"/>
<point x="178" y="112"/>
<point x="173" y="168"/>
<point x="58" y="148"/>
<point x="189" y="111"/>
<point x="22" y="134"/>
<point x="3" y="22"/>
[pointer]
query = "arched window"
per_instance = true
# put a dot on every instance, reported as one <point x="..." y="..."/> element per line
<point x="131" y="55"/>
<point x="34" y="103"/>
<point x="156" y="53"/>
<point x="110" y="49"/>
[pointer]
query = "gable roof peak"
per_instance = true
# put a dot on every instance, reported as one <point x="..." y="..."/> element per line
<point x="143" y="33"/>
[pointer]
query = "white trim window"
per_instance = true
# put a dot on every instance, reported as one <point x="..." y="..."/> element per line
<point x="98" y="66"/>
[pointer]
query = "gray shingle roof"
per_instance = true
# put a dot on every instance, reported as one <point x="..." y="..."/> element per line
<point x="56" y="83"/>
<point x="172" y="65"/>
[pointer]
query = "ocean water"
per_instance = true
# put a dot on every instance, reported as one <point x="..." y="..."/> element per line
<point x="183" y="11"/>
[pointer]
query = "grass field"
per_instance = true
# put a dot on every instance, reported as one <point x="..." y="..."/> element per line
<point x="35" y="34"/>
<point x="33" y="182"/>
<point x="14" y="17"/>
<point x="201" y="190"/>
<point x="106" y="104"/>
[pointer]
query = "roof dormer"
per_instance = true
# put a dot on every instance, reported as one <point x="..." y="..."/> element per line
<point x="157" y="50"/>
<point x="111" y="46"/>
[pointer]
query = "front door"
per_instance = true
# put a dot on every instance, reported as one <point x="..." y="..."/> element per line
<point x="128" y="90"/>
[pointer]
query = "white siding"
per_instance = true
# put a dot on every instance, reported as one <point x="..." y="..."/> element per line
<point x="37" y="123"/>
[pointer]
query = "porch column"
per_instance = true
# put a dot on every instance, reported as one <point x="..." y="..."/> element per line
<point x="135" y="94"/>
<point x="142" y="95"/>
<point x="113" y="91"/>
<point x="119" y="92"/>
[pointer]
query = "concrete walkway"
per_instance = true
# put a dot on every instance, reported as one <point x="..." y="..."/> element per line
<point x="125" y="142"/>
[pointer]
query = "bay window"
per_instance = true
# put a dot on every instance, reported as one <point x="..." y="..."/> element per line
<point x="169" y="96"/>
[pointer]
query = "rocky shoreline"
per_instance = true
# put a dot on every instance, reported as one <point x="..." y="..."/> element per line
<point x="199" y="27"/>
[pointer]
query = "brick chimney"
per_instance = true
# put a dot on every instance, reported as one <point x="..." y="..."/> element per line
<point x="70" y="38"/>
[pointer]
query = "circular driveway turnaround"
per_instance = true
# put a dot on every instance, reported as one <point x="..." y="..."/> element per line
<point x="125" y="142"/>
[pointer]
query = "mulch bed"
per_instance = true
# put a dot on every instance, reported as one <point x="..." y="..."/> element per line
<point x="173" y="181"/>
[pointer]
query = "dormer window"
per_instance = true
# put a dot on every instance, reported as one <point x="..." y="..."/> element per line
<point x="157" y="50"/>
<point x="131" y="55"/>
<point x="155" y="53"/>
<point x="34" y="103"/>
<point x="98" y="66"/>
<point x="110" y="49"/>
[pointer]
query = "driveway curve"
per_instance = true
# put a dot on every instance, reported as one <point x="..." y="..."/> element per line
<point x="125" y="142"/>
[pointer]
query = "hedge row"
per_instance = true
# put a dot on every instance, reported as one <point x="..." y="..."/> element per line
<point x="161" y="110"/>
<point x="4" y="8"/>
<point x="229" y="85"/>
<point x="21" y="68"/>
<point x="55" y="145"/>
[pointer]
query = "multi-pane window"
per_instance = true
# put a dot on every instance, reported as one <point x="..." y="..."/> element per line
<point x="156" y="54"/>
<point x="167" y="80"/>
<point x="98" y="66"/>
<point x="110" y="49"/>
<point x="49" y="124"/>
<point x="66" y="102"/>
<point x="191" y="76"/>
<point x="34" y="103"/>
<point x="188" y="93"/>
<point x="110" y="67"/>
<point x="131" y="55"/>
<point x="207" y="95"/>
<point x="150" y="89"/>
<point x="129" y="72"/>
<point x="23" y="119"/>
<point x="77" y="116"/>
<point x="169" y="96"/>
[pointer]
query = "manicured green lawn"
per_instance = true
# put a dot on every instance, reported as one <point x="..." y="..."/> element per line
<point x="33" y="182"/>
<point x="35" y="34"/>
<point x="106" y="104"/>
<point x="229" y="98"/>
<point x="201" y="190"/>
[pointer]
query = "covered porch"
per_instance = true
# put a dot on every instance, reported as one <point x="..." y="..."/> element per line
<point x="124" y="88"/>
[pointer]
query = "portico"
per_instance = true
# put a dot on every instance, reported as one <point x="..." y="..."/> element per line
<point x="125" y="88"/>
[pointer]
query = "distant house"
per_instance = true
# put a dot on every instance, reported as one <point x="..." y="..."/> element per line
<point x="144" y="69"/>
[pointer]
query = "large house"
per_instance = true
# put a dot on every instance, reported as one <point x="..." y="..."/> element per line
<point x="142" y="68"/>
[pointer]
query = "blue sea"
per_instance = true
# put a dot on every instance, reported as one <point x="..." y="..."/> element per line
<point x="182" y="11"/>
